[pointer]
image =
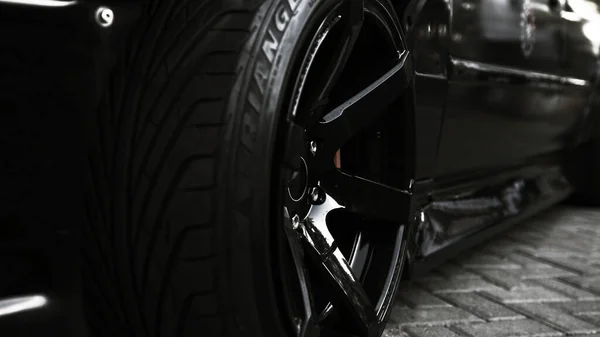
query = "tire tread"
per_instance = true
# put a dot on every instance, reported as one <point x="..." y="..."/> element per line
<point x="152" y="177"/>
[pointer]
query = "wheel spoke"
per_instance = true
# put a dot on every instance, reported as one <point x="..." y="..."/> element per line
<point x="365" y="196"/>
<point x="308" y="323"/>
<point x="355" y="11"/>
<point x="340" y="297"/>
<point x="315" y="227"/>
<point x="363" y="109"/>
<point x="352" y="16"/>
<point x="348" y="292"/>
<point x="395" y="275"/>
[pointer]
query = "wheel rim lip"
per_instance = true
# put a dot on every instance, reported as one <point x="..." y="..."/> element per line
<point x="318" y="41"/>
<point x="307" y="64"/>
<point x="309" y="58"/>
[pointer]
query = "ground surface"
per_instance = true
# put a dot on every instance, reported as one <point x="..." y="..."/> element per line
<point x="542" y="278"/>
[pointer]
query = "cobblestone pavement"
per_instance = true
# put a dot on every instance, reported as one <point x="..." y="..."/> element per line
<point x="542" y="278"/>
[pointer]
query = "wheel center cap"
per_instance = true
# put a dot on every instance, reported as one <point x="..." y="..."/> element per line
<point x="298" y="184"/>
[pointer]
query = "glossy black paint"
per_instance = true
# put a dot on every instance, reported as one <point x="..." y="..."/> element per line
<point x="505" y="98"/>
<point x="509" y="96"/>
<point x="485" y="105"/>
<point x="490" y="101"/>
<point x="427" y="27"/>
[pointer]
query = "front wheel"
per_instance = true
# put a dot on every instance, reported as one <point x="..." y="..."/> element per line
<point x="230" y="188"/>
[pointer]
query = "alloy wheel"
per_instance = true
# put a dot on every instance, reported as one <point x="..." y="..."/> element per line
<point x="346" y="245"/>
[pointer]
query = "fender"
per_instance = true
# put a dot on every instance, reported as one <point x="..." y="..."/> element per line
<point x="427" y="24"/>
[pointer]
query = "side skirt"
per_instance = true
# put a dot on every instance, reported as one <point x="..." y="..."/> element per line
<point x="459" y="214"/>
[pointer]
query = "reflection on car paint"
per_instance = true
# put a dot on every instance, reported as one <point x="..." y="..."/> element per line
<point x="41" y="3"/>
<point x="478" y="71"/>
<point x="15" y="305"/>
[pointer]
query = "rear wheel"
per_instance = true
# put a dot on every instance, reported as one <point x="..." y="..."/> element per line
<point x="226" y="194"/>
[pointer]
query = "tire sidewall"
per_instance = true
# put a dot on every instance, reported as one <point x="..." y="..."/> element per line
<point x="279" y="30"/>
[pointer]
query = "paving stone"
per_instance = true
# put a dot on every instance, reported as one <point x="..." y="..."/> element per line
<point x="527" y="295"/>
<point x="434" y="275"/>
<point x="488" y="261"/>
<point x="542" y="279"/>
<point x="481" y="306"/>
<point x="533" y="239"/>
<point x="467" y="285"/>
<point x="419" y="298"/>
<point x="430" y="331"/>
<point x="456" y="272"/>
<point x="516" y="328"/>
<point x="527" y="236"/>
<point x="528" y="262"/>
<point x="557" y="318"/>
<point x="593" y="318"/>
<point x="505" y="245"/>
<point x="551" y="252"/>
<point x="565" y="289"/>
<point x="591" y="283"/>
<point x="401" y="305"/>
<point x="504" y="278"/>
<point x="434" y="316"/>
<point x="574" y="263"/>
<point x="581" y="307"/>
<point x="393" y="332"/>
<point x="543" y="273"/>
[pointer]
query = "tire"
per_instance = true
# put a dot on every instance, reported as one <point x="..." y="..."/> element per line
<point x="177" y="177"/>
<point x="180" y="171"/>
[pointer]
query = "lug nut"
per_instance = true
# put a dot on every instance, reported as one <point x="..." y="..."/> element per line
<point x="295" y="221"/>
<point x="105" y="16"/>
<point x="312" y="146"/>
<point x="316" y="196"/>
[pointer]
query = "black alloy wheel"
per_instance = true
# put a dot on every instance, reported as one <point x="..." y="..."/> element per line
<point x="347" y="244"/>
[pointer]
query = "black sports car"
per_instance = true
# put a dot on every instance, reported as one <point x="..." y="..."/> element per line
<point x="178" y="168"/>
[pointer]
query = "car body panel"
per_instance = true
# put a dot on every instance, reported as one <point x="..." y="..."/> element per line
<point x="520" y="34"/>
<point x="512" y="105"/>
<point x="457" y="214"/>
<point x="427" y="39"/>
<point x="509" y="96"/>
<point x="493" y="123"/>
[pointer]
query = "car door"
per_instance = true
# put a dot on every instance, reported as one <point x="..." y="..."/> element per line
<point x="506" y="87"/>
